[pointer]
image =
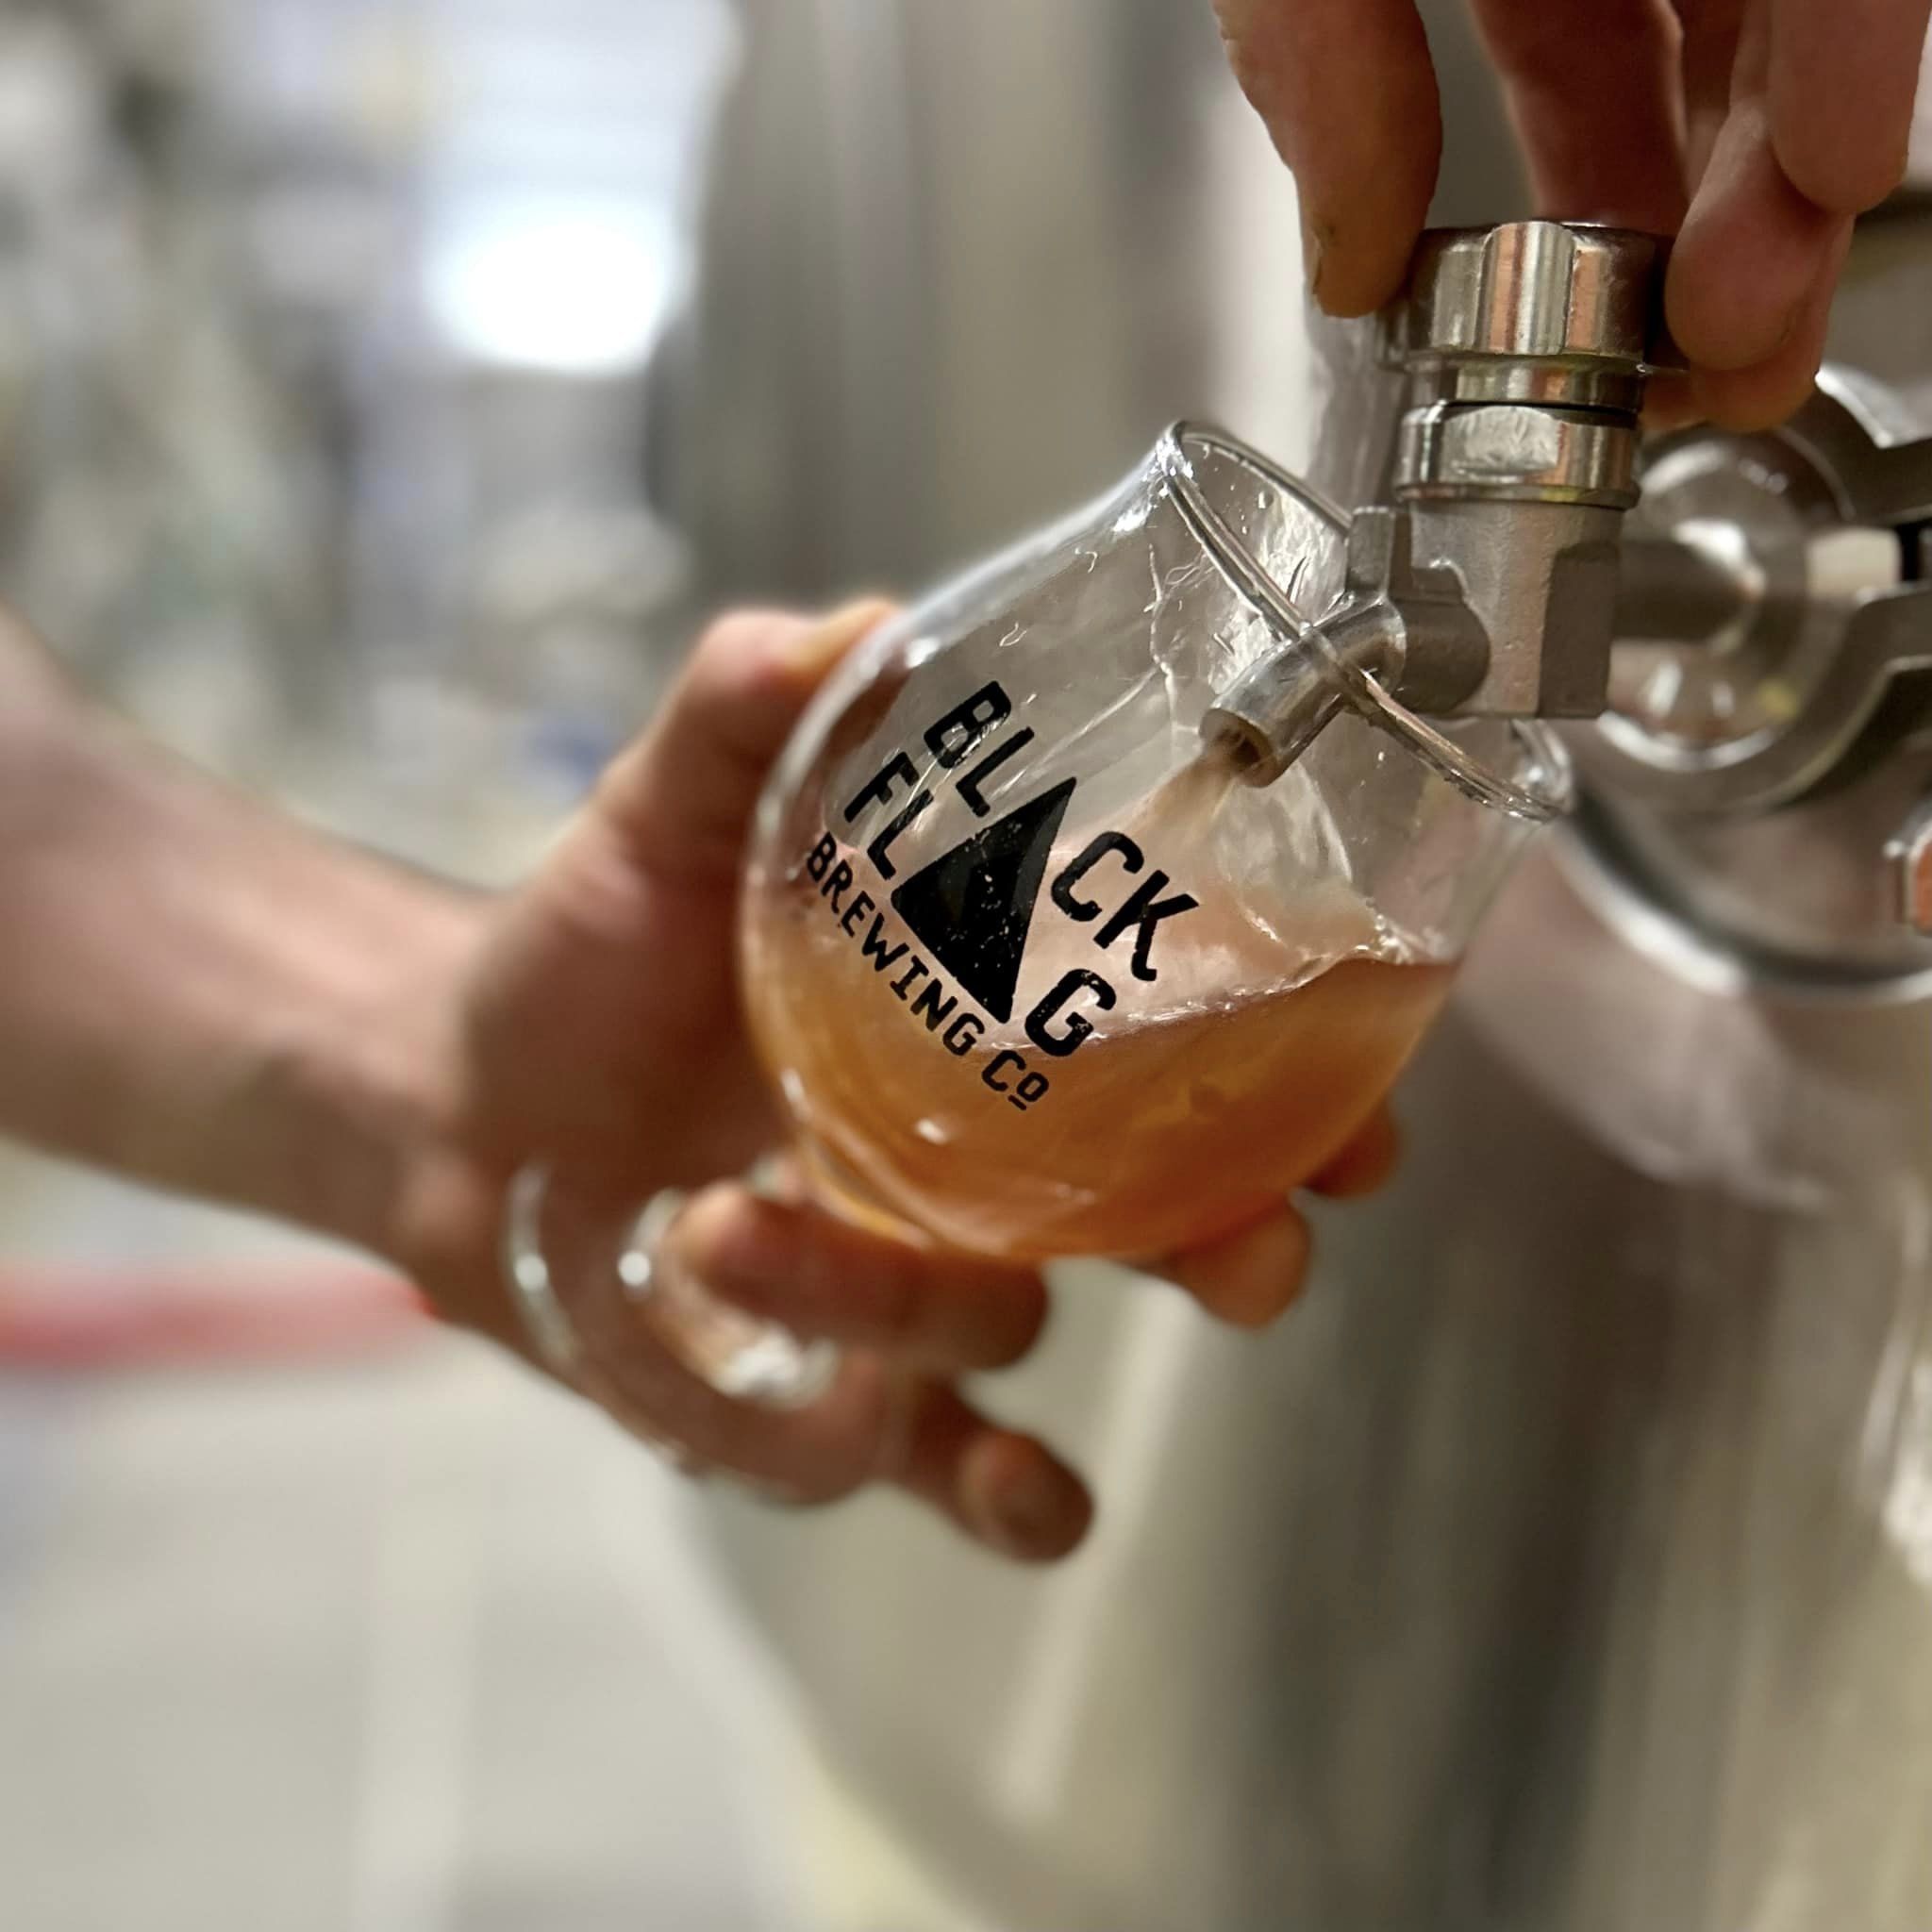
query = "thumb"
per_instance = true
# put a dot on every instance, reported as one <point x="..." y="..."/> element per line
<point x="682" y="796"/>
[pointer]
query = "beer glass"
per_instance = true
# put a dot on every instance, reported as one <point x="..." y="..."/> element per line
<point x="1035" y="969"/>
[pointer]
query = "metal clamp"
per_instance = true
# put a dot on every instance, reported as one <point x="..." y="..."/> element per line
<point x="1802" y="624"/>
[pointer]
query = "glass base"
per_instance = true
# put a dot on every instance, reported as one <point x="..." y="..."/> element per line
<point x="626" y="1280"/>
<point x="739" y="1354"/>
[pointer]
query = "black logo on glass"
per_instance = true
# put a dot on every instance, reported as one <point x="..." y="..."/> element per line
<point x="972" y="908"/>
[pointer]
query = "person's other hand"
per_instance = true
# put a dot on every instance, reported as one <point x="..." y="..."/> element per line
<point x="1758" y="128"/>
<point x="600" y="1030"/>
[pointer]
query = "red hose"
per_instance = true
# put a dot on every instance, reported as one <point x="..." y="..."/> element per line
<point x="75" y="1317"/>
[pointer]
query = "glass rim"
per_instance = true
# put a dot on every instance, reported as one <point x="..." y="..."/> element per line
<point x="1548" y="796"/>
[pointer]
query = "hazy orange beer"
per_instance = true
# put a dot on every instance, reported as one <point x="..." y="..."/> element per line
<point x="1159" y="1127"/>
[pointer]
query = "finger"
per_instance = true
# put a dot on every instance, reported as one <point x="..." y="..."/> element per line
<point x="1250" y="1277"/>
<point x="817" y="1453"/>
<point x="1758" y="398"/>
<point x="1008" y="1490"/>
<point x="1366" y="1163"/>
<point x="1598" y="108"/>
<point x="793" y="1263"/>
<point x="874" y="1424"/>
<point x="1754" y="257"/>
<point x="1842" y="78"/>
<point x="1348" y="94"/>
<point x="1710" y="30"/>
<point x="1670" y="402"/>
<point x="1748" y="263"/>
<point x="683" y="794"/>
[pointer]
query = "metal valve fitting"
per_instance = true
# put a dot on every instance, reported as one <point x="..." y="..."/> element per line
<point x="1485" y="582"/>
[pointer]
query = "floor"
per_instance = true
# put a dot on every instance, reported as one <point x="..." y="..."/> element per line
<point x="370" y="1632"/>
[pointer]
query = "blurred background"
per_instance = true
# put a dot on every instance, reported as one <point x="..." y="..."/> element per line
<point x="387" y="390"/>
<point x="386" y="387"/>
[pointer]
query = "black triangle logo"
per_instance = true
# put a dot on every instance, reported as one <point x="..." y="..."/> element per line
<point x="972" y="908"/>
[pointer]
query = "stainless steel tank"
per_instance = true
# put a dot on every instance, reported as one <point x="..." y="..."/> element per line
<point x="1566" y="1561"/>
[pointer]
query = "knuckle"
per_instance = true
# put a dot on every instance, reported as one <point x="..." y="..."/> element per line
<point x="1238" y="41"/>
<point x="740" y="659"/>
<point x="724" y="1237"/>
<point x="1021" y="1319"/>
<point x="896" y="1307"/>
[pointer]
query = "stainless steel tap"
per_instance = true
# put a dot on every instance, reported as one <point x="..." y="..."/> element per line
<point x="1485" y="583"/>
<point x="1745" y="618"/>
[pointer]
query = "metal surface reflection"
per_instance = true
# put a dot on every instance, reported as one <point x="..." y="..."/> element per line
<point x="1562" y="1566"/>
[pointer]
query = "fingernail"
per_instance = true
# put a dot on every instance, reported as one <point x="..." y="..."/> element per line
<point x="1314" y="248"/>
<point x="1040" y="1513"/>
<point x="827" y="641"/>
<point x="1250" y="1298"/>
<point x="1250" y="1280"/>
